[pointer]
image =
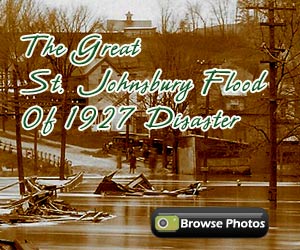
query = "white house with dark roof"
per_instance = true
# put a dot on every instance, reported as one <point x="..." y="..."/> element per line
<point x="90" y="76"/>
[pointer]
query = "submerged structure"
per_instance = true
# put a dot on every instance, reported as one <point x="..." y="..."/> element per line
<point x="140" y="186"/>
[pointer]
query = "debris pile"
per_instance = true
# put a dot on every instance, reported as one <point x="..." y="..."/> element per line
<point x="16" y="245"/>
<point x="140" y="186"/>
<point x="40" y="204"/>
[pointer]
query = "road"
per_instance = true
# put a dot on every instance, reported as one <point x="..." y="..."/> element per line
<point x="73" y="153"/>
<point x="131" y="227"/>
<point x="82" y="158"/>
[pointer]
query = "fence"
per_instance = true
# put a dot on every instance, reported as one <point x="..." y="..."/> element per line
<point x="28" y="153"/>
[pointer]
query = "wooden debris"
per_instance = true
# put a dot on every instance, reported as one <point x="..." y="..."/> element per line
<point x="24" y="245"/>
<point x="140" y="182"/>
<point x="140" y="185"/>
<point x="40" y="204"/>
<point x="17" y="245"/>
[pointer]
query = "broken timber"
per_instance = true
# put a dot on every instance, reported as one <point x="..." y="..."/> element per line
<point x="140" y="185"/>
<point x="16" y="245"/>
<point x="40" y="204"/>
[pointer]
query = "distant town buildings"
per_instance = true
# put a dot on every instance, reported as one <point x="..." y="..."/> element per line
<point x="131" y="27"/>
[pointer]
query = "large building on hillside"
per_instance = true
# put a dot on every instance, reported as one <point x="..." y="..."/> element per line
<point x="131" y="27"/>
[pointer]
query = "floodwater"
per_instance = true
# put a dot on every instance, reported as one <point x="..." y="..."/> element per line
<point x="131" y="227"/>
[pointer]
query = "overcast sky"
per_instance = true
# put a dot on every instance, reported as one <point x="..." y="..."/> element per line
<point x="116" y="9"/>
<point x="141" y="9"/>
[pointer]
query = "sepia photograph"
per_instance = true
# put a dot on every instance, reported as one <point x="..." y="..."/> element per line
<point x="149" y="124"/>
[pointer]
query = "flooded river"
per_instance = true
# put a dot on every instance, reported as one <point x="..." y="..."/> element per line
<point x="131" y="227"/>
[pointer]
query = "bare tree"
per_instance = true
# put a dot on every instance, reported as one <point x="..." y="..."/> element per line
<point x="221" y="10"/>
<point x="170" y="19"/>
<point x="68" y="27"/>
<point x="176" y="55"/>
<point x="194" y="12"/>
<point x="17" y="17"/>
<point x="286" y="57"/>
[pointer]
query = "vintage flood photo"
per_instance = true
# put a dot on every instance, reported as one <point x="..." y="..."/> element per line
<point x="149" y="124"/>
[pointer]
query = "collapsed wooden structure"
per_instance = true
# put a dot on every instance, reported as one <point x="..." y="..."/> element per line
<point x="40" y="204"/>
<point x="140" y="186"/>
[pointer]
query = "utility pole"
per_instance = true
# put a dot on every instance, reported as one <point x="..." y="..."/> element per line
<point x="127" y="130"/>
<point x="18" y="135"/>
<point x="205" y="168"/>
<point x="273" y="105"/>
<point x="4" y="90"/>
<point x="64" y="113"/>
<point x="273" y="53"/>
<point x="35" y="154"/>
<point x="205" y="156"/>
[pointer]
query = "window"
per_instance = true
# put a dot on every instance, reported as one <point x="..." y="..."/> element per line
<point x="235" y="104"/>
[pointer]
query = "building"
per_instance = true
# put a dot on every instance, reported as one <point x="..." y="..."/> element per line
<point x="222" y="156"/>
<point x="90" y="77"/>
<point x="130" y="27"/>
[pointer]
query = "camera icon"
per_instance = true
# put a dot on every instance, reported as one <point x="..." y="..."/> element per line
<point x="167" y="223"/>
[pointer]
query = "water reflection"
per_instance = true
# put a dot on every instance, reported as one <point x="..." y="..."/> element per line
<point x="131" y="228"/>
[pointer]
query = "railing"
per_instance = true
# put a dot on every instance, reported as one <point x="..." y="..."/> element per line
<point x="28" y="153"/>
